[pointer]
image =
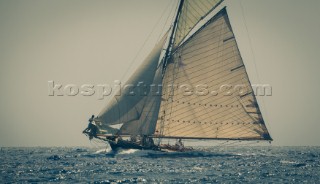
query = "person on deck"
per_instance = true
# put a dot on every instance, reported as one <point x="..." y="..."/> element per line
<point x="89" y="125"/>
<point x="91" y="119"/>
<point x="92" y="129"/>
<point x="179" y="145"/>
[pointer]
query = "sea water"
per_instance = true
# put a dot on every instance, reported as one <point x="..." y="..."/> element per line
<point x="212" y="165"/>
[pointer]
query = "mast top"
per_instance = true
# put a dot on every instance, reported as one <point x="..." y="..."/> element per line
<point x="168" y="50"/>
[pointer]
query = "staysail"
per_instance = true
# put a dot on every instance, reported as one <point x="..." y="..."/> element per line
<point x="128" y="107"/>
<point x="146" y="123"/>
<point x="206" y="90"/>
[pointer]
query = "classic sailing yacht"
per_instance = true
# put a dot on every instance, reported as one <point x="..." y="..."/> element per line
<point x="199" y="89"/>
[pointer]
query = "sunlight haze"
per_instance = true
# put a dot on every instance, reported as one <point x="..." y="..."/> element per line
<point x="97" y="42"/>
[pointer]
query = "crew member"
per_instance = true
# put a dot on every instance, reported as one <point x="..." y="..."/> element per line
<point x="92" y="129"/>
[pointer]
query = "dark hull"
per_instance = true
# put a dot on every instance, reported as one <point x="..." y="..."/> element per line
<point x="122" y="144"/>
<point x="117" y="144"/>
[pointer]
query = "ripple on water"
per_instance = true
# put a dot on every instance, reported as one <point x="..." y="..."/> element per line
<point x="228" y="165"/>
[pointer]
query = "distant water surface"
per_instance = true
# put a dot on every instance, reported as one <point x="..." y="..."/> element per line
<point x="220" y="164"/>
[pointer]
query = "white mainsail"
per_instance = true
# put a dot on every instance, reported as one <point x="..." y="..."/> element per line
<point x="211" y="59"/>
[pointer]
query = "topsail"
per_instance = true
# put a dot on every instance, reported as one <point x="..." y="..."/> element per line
<point x="192" y="12"/>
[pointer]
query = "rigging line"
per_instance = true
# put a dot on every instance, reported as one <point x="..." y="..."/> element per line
<point x="252" y="52"/>
<point x="188" y="37"/>
<point x="164" y="105"/>
<point x="145" y="41"/>
<point x="250" y="42"/>
<point x="196" y="23"/>
<point x="172" y="36"/>
<point x="175" y="67"/>
<point x="171" y="10"/>
<point x="170" y="43"/>
<point x="184" y="21"/>
<point x="180" y="22"/>
<point x="174" y="77"/>
<point x="171" y="92"/>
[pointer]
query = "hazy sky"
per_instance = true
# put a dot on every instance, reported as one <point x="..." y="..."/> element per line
<point x="94" y="42"/>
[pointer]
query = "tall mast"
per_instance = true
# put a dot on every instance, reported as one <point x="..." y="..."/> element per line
<point x="168" y="50"/>
<point x="209" y="55"/>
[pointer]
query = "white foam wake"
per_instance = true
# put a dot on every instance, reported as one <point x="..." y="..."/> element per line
<point x="129" y="151"/>
<point x="106" y="150"/>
